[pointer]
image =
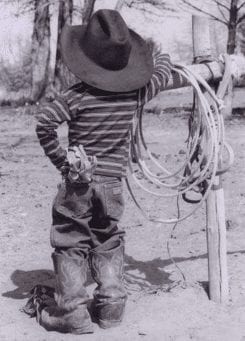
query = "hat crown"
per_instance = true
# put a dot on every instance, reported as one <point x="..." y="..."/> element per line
<point x="107" y="40"/>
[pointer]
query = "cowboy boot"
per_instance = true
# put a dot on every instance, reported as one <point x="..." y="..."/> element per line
<point x="69" y="314"/>
<point x="110" y="295"/>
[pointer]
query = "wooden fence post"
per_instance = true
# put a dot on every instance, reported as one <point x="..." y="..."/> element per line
<point x="228" y="100"/>
<point x="216" y="227"/>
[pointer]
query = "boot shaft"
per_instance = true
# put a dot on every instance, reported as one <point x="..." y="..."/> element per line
<point x="110" y="295"/>
<point x="107" y="265"/>
<point x="70" y="275"/>
<point x="68" y="314"/>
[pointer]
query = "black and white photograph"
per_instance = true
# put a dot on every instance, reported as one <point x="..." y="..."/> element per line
<point x="122" y="170"/>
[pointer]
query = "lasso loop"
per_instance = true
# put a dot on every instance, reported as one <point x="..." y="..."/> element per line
<point x="205" y="147"/>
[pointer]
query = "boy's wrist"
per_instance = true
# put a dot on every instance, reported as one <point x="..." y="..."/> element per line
<point x="64" y="169"/>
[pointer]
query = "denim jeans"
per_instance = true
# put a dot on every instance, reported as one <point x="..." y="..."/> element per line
<point x="86" y="216"/>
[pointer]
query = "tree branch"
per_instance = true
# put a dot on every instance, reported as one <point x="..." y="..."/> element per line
<point x="88" y="10"/>
<point x="240" y="19"/>
<point x="239" y="7"/>
<point x="119" y="5"/>
<point x="28" y="6"/>
<point x="222" y="5"/>
<point x="222" y="13"/>
<point x="158" y="4"/>
<point x="133" y="4"/>
<point x="204" y="12"/>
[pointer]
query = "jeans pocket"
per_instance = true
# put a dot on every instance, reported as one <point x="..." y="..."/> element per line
<point x="72" y="201"/>
<point x="114" y="199"/>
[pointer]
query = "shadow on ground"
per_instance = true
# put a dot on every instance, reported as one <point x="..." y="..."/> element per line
<point x="143" y="274"/>
<point x="26" y="280"/>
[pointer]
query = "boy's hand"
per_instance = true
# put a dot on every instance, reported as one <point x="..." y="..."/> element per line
<point x="81" y="166"/>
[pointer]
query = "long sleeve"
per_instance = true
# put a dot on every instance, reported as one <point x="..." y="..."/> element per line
<point x="49" y="117"/>
<point x="159" y="79"/>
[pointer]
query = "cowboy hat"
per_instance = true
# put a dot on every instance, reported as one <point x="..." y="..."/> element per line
<point x="106" y="54"/>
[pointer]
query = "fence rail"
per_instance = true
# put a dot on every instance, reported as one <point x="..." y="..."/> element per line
<point x="211" y="71"/>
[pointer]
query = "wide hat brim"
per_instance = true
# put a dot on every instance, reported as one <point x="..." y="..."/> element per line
<point x="134" y="75"/>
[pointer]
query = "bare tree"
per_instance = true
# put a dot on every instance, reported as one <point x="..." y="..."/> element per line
<point x="40" y="49"/>
<point x="240" y="46"/>
<point x="38" y="68"/>
<point x="62" y="76"/>
<point x="42" y="78"/>
<point x="88" y="10"/>
<point x="228" y="12"/>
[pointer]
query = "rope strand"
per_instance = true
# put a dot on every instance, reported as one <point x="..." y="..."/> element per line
<point x="204" y="151"/>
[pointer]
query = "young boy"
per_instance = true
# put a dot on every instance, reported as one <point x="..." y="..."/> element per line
<point x="118" y="76"/>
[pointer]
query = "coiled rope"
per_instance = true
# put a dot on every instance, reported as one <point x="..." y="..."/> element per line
<point x="205" y="148"/>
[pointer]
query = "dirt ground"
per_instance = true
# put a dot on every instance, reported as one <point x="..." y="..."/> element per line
<point x="160" y="305"/>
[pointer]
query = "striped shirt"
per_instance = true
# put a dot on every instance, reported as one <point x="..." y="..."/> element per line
<point x="99" y="120"/>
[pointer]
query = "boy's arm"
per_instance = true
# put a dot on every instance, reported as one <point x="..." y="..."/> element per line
<point x="49" y="117"/>
<point x="159" y="79"/>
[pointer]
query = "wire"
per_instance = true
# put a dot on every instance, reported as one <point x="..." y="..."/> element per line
<point x="168" y="245"/>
